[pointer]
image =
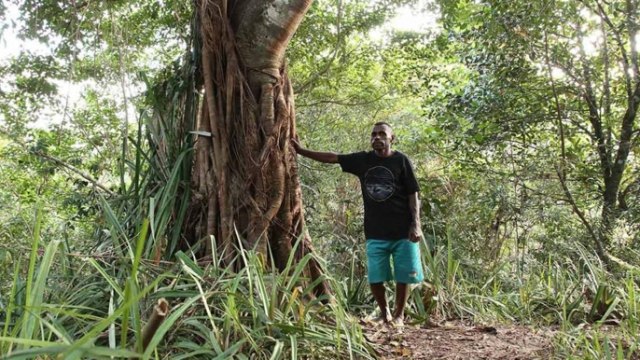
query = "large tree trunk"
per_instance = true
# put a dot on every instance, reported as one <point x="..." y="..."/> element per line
<point x="245" y="174"/>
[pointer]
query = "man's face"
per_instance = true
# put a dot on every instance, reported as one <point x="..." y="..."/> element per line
<point x="381" y="137"/>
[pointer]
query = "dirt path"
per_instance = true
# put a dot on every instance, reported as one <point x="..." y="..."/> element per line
<point x="456" y="340"/>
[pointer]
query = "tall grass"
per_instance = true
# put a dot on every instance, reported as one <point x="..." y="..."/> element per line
<point x="255" y="313"/>
<point x="99" y="311"/>
<point x="592" y="313"/>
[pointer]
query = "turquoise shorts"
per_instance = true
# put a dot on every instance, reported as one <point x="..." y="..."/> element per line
<point x="406" y="261"/>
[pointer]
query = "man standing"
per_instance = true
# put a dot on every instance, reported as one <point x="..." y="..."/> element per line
<point x="391" y="215"/>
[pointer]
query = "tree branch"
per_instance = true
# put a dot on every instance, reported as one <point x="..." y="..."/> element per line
<point x="596" y="240"/>
<point x="73" y="169"/>
<point x="561" y="171"/>
<point x="616" y="35"/>
<point x="339" y="36"/>
<point x="264" y="29"/>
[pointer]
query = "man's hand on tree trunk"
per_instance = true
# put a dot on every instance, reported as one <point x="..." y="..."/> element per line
<point x="296" y="144"/>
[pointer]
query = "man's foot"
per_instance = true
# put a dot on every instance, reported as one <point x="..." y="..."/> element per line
<point x="383" y="318"/>
<point x="380" y="319"/>
<point x="397" y="322"/>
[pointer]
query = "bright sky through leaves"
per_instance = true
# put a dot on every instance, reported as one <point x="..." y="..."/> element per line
<point x="407" y="18"/>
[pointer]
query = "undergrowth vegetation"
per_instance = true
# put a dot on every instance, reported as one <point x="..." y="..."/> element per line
<point x="530" y="201"/>
<point x="94" y="298"/>
<point x="95" y="304"/>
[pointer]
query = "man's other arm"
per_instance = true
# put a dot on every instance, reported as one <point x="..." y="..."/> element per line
<point x="324" y="157"/>
<point x="415" y="231"/>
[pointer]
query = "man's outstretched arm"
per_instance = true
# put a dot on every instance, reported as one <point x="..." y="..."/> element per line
<point x="324" y="157"/>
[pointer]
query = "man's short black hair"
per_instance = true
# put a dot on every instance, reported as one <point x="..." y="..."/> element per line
<point x="382" y="123"/>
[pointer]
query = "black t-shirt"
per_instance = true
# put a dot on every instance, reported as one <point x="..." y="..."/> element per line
<point x="386" y="184"/>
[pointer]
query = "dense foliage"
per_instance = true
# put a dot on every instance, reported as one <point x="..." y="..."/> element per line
<point x="520" y="118"/>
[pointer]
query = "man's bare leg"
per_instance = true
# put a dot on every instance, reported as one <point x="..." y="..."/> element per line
<point x="378" y="292"/>
<point x="402" y="294"/>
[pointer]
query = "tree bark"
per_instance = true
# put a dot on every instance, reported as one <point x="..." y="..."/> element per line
<point x="617" y="165"/>
<point x="245" y="174"/>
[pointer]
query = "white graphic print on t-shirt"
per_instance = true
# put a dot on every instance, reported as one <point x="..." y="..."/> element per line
<point x="379" y="183"/>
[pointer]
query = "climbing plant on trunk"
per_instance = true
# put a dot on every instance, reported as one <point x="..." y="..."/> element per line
<point x="244" y="180"/>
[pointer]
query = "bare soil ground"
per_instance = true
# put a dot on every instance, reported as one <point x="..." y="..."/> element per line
<point x="458" y="340"/>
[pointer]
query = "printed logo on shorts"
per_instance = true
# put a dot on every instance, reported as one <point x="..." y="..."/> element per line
<point x="379" y="183"/>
